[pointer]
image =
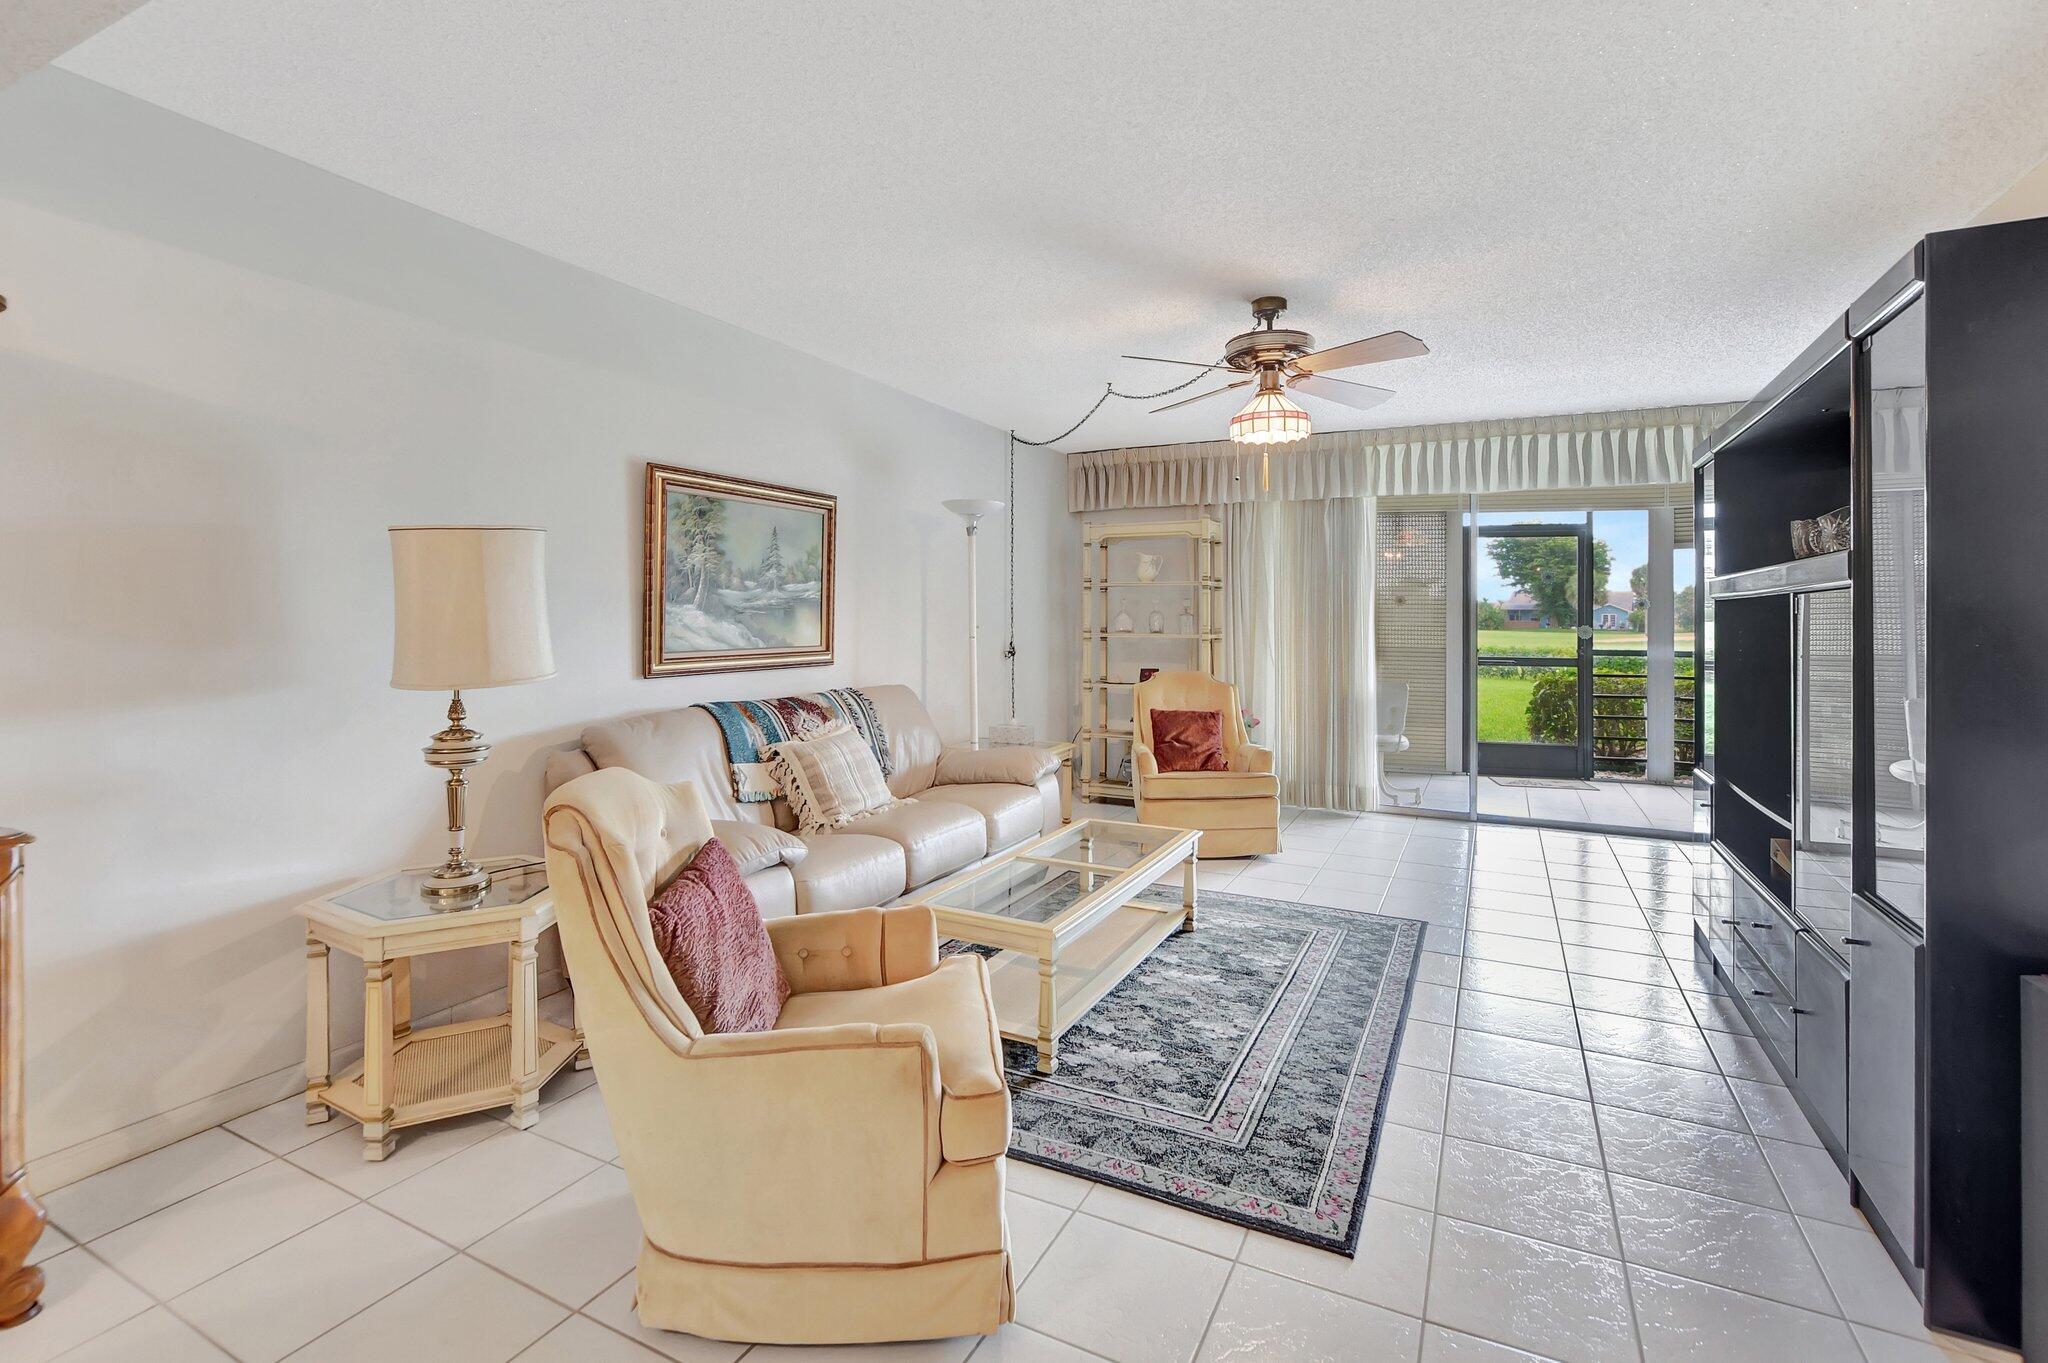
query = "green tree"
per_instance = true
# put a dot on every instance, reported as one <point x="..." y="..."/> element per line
<point x="1639" y="585"/>
<point x="1491" y="616"/>
<point x="1547" y="567"/>
<point x="771" y="559"/>
<point x="1684" y="609"/>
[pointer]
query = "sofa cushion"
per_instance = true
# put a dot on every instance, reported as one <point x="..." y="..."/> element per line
<point x="756" y="846"/>
<point x="974" y="1114"/>
<point x="669" y="746"/>
<point x="1009" y="813"/>
<point x="913" y="739"/>
<point x="937" y="837"/>
<point x="710" y="934"/>
<point x="1210" y="785"/>
<point x="847" y="871"/>
<point x="774" y="891"/>
<point x="1258" y="812"/>
<point x="1017" y="765"/>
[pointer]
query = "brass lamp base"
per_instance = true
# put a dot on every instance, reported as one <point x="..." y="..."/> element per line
<point x="455" y="750"/>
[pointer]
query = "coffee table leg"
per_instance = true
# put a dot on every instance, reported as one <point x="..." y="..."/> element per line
<point x="1188" y="892"/>
<point x="1048" y="1043"/>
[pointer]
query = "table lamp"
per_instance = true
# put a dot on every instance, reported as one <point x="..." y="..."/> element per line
<point x="470" y="611"/>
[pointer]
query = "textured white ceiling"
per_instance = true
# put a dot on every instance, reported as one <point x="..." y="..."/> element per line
<point x="1578" y="205"/>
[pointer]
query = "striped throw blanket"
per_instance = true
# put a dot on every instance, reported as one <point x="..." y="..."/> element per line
<point x="751" y="727"/>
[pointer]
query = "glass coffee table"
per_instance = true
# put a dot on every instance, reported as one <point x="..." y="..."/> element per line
<point x="1064" y="912"/>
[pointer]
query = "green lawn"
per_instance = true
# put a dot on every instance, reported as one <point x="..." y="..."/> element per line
<point x="1504" y="697"/>
<point x="1504" y="708"/>
<point x="1559" y="643"/>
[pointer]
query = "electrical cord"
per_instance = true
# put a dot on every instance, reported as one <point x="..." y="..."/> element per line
<point x="1108" y="391"/>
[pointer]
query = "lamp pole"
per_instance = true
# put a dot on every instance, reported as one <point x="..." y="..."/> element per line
<point x="972" y="510"/>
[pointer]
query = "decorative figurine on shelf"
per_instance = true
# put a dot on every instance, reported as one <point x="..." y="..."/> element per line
<point x="1822" y="535"/>
<point x="1251" y="721"/>
<point x="1148" y="567"/>
<point x="1155" y="623"/>
<point x="1121" y="624"/>
<point x="1187" y="618"/>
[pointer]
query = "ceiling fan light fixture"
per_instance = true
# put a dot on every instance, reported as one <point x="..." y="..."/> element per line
<point x="1269" y="419"/>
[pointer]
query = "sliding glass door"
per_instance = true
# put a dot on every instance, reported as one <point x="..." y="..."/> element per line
<point x="1532" y="676"/>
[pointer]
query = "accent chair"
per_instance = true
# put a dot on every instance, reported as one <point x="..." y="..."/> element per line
<point x="1237" y="810"/>
<point x="835" y="1180"/>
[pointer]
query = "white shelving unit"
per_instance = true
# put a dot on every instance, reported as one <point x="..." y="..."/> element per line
<point x="1191" y="572"/>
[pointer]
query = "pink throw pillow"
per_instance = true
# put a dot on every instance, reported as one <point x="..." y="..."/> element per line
<point x="709" y="931"/>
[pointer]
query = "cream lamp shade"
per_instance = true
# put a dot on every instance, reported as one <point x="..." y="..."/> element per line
<point x="471" y="607"/>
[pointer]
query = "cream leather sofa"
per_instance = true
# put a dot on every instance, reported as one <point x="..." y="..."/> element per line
<point x="1238" y="811"/>
<point x="838" y="1179"/>
<point x="969" y="803"/>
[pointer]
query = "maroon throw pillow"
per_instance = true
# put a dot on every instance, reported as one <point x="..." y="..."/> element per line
<point x="1188" y="740"/>
<point x="709" y="931"/>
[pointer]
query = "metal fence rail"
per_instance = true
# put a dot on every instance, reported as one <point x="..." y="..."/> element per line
<point x="1621" y="720"/>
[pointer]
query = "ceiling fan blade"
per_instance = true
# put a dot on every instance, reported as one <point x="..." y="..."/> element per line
<point x="1363" y="396"/>
<point x="1192" y="364"/>
<point x="1213" y="392"/>
<point x="1388" y="345"/>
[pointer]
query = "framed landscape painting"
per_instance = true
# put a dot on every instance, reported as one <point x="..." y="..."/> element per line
<point x="739" y="574"/>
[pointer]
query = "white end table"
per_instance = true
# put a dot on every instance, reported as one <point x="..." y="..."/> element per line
<point x="409" y="1076"/>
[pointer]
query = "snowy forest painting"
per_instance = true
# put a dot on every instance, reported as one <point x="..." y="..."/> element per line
<point x="739" y="574"/>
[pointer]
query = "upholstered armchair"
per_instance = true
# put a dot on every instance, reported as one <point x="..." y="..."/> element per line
<point x="838" y="1179"/>
<point x="1238" y="810"/>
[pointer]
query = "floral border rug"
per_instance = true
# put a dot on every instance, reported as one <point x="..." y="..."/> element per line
<point x="1240" y="1071"/>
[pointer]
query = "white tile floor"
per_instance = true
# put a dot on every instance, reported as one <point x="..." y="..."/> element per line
<point x="1584" y="1160"/>
<point x="1604" y="801"/>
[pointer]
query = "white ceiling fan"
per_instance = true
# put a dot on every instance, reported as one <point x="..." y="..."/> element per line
<point x="1282" y="361"/>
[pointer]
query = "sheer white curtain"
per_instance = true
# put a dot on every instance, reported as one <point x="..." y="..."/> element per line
<point x="1298" y="641"/>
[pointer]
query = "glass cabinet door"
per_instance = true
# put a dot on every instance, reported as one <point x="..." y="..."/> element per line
<point x="1823" y="735"/>
<point x="1703" y="604"/>
<point x="1894" y="870"/>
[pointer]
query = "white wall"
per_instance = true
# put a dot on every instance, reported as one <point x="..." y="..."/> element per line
<point x="222" y="374"/>
<point x="2027" y="197"/>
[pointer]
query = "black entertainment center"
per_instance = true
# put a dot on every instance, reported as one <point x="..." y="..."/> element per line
<point x="1875" y="745"/>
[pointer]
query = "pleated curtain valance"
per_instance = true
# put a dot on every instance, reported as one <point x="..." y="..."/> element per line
<point x="1585" y="450"/>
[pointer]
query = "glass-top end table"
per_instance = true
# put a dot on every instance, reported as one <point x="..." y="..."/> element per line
<point x="396" y="897"/>
<point x="1064" y="911"/>
<point x="409" y="1075"/>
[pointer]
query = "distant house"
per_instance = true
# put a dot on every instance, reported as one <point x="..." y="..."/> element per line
<point x="1614" y="610"/>
<point x="1520" y="610"/>
<point x="1612" y="613"/>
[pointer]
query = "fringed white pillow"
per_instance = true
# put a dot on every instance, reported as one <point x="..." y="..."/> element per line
<point x="829" y="777"/>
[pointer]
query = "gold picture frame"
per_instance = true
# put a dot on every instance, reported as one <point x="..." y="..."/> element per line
<point x="739" y="575"/>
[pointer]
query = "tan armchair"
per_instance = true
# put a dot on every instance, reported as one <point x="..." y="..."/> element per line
<point x="838" y="1179"/>
<point x="1237" y="810"/>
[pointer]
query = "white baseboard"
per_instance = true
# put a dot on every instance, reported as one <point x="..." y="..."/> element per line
<point x="48" y="1173"/>
<point x="59" y="1167"/>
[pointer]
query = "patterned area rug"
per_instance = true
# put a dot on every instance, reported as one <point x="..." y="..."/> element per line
<point x="1240" y="1071"/>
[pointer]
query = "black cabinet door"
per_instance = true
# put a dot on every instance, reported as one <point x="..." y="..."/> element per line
<point x="1884" y="1071"/>
<point x="1822" y="1021"/>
